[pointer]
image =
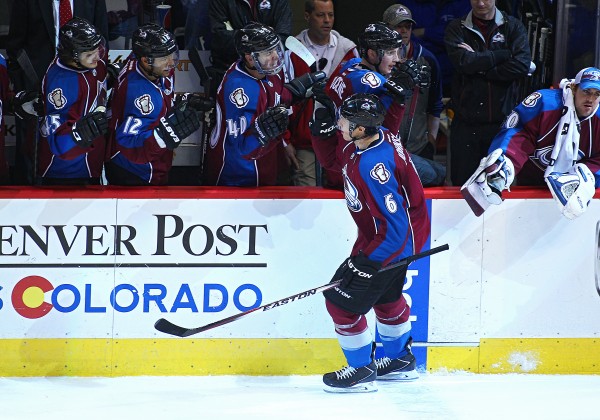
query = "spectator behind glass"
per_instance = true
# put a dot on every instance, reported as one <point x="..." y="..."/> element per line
<point x="421" y="124"/>
<point x="485" y="82"/>
<point x="329" y="49"/>
<point x="432" y="17"/>
<point x="197" y="25"/>
<point x="226" y="16"/>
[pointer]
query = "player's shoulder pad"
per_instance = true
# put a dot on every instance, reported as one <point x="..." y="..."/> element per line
<point x="240" y="90"/>
<point x="62" y="88"/>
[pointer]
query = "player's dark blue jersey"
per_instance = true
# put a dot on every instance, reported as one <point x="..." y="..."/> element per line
<point x="385" y="198"/>
<point x="234" y="156"/>
<point x="138" y="104"/>
<point x="69" y="94"/>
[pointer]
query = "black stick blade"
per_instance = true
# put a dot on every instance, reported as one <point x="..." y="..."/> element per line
<point x="168" y="327"/>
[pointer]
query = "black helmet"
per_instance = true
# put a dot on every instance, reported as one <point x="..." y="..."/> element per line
<point x="77" y="36"/>
<point x="255" y="38"/>
<point x="378" y="37"/>
<point x="153" y="41"/>
<point x="363" y="109"/>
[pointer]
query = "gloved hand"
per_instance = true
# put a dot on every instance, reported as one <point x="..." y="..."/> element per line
<point x="271" y="124"/>
<point x="323" y="124"/>
<point x="573" y="190"/>
<point x="90" y="127"/>
<point x="424" y="77"/>
<point x="196" y="101"/>
<point x="28" y="104"/>
<point x="300" y="87"/>
<point x="181" y="122"/>
<point x="403" y="79"/>
<point x="498" y="174"/>
<point x="113" y="70"/>
<point x="357" y="272"/>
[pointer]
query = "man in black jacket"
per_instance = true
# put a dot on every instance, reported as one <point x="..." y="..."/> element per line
<point x="490" y="54"/>
<point x="226" y="16"/>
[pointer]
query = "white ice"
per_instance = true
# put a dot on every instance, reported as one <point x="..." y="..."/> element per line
<point x="433" y="396"/>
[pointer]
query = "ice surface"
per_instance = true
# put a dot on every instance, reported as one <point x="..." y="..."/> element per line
<point x="433" y="396"/>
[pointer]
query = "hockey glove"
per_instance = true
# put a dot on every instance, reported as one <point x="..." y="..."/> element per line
<point x="271" y="124"/>
<point x="424" y="77"/>
<point x="320" y="96"/>
<point x="90" y="127"/>
<point x="495" y="174"/>
<point x="357" y="273"/>
<point x="181" y="122"/>
<point x="323" y="124"/>
<point x="403" y="79"/>
<point x="197" y="102"/>
<point x="301" y="86"/>
<point x="573" y="191"/>
<point x="28" y="104"/>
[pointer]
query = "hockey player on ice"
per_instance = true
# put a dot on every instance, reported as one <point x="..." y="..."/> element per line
<point x="385" y="198"/>
<point x="553" y="136"/>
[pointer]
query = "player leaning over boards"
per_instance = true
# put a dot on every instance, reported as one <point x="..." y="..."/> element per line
<point x="386" y="200"/>
<point x="552" y="136"/>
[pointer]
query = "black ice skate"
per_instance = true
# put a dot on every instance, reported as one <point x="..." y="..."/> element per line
<point x="401" y="369"/>
<point x="351" y="379"/>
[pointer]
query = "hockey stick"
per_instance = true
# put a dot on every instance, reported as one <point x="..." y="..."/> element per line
<point x="32" y="76"/>
<point x="298" y="48"/>
<point x="168" y="327"/>
<point x="206" y="82"/>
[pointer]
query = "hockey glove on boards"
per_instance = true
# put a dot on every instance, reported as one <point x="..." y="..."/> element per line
<point x="271" y="124"/>
<point x="181" y="122"/>
<point x="573" y="190"/>
<point x="357" y="273"/>
<point x="90" y="127"/>
<point x="301" y="87"/>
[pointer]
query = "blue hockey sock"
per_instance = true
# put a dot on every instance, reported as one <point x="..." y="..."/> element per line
<point x="394" y="338"/>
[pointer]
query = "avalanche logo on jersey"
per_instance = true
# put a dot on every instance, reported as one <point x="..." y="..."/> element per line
<point x="351" y="193"/>
<point x="144" y="104"/>
<point x="542" y="157"/>
<point x="370" y="79"/>
<point x="239" y="98"/>
<point x="498" y="38"/>
<point x="380" y="173"/>
<point x="532" y="99"/>
<point x="57" y="99"/>
<point x="512" y="120"/>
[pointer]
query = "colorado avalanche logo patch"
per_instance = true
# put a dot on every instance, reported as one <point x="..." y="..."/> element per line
<point x="57" y="99"/>
<point x="370" y="79"/>
<point x="239" y="98"/>
<point x="532" y="99"/>
<point x="351" y="194"/>
<point x="498" y="37"/>
<point x="512" y="120"/>
<point x="380" y="173"/>
<point x="144" y="104"/>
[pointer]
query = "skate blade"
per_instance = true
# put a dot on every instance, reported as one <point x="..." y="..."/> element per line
<point x="358" y="388"/>
<point x="411" y="375"/>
